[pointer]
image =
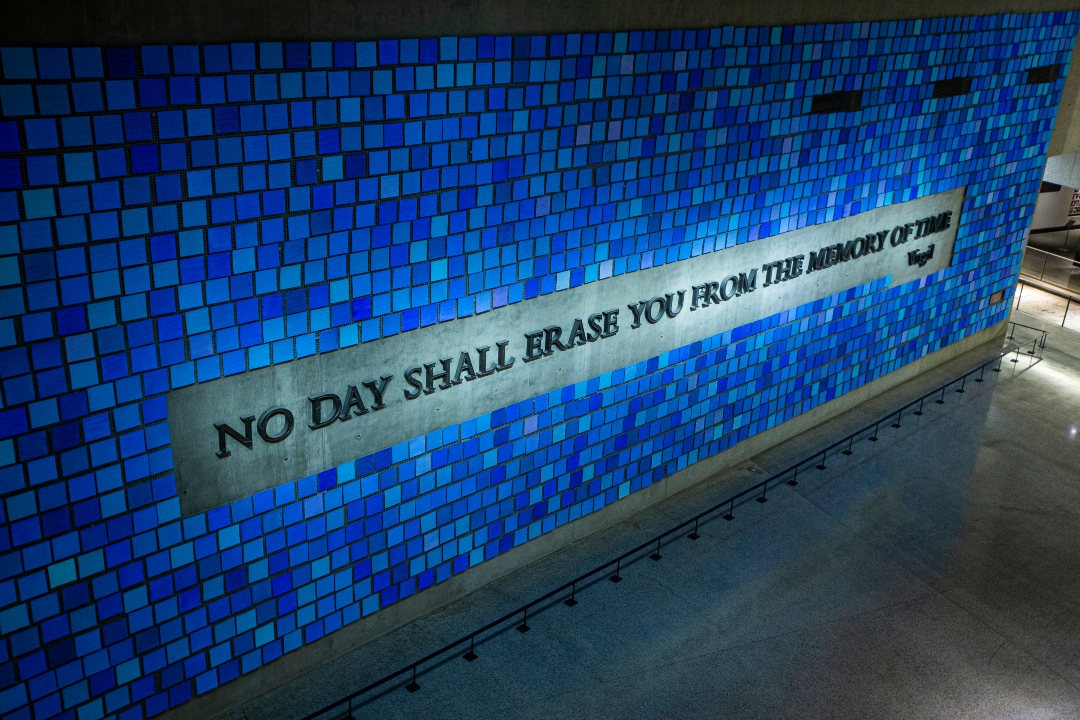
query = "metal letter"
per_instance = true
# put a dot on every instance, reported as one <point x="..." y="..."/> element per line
<point x="352" y="400"/>
<point x="532" y="346"/>
<point x="551" y="337"/>
<point x="747" y="283"/>
<point x="858" y="248"/>
<point x="481" y="353"/>
<point x="768" y="268"/>
<point x="682" y="297"/>
<point x="502" y="363"/>
<point x="412" y="380"/>
<point x="846" y="251"/>
<point x="713" y="297"/>
<point x="464" y="365"/>
<point x="726" y="292"/>
<point x="897" y="236"/>
<point x="649" y="310"/>
<point x="577" y="334"/>
<point x="611" y="322"/>
<point x="264" y="420"/>
<point x="594" y="325"/>
<point x="377" y="390"/>
<point x="432" y="376"/>
<point x="697" y="294"/>
<point x="223" y="430"/>
<point x="797" y="268"/>
<point x="316" y="410"/>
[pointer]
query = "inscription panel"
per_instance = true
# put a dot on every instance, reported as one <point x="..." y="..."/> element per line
<point x="236" y="436"/>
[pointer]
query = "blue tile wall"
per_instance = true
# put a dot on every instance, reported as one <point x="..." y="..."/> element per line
<point x="172" y="215"/>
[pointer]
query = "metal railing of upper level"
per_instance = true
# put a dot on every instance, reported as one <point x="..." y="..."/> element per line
<point x="346" y="707"/>
<point x="1059" y="268"/>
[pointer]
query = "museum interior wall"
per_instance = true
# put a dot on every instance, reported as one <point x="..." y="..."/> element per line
<point x="291" y="332"/>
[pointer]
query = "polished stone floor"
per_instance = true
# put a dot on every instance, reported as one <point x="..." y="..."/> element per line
<point x="1047" y="307"/>
<point x="932" y="574"/>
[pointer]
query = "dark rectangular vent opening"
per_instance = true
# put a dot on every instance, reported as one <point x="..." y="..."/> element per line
<point x="952" y="88"/>
<point x="1044" y="74"/>
<point x="1049" y="187"/>
<point x="997" y="297"/>
<point x="843" y="101"/>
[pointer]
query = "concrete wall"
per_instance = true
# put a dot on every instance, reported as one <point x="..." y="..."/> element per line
<point x="1062" y="169"/>
<point x="1066" y="138"/>
<point x="1052" y="209"/>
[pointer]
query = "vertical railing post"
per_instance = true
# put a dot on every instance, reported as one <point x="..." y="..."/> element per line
<point x="794" y="478"/>
<point x="524" y="626"/>
<point x="656" y="554"/>
<point x="471" y="655"/>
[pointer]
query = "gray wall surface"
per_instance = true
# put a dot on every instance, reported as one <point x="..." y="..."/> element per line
<point x="1063" y="170"/>
<point x="1052" y="208"/>
<point x="132" y="22"/>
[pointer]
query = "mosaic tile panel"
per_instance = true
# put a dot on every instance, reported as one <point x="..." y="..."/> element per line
<point x="173" y="215"/>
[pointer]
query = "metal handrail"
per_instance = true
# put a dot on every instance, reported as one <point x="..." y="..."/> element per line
<point x="1047" y="252"/>
<point x="1054" y="290"/>
<point x="655" y="542"/>
<point x="1071" y="225"/>
<point x="1012" y="331"/>
<point x="1068" y="264"/>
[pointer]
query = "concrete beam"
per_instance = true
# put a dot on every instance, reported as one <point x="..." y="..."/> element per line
<point x="1066" y="137"/>
<point x="1063" y="170"/>
<point x="134" y="22"/>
